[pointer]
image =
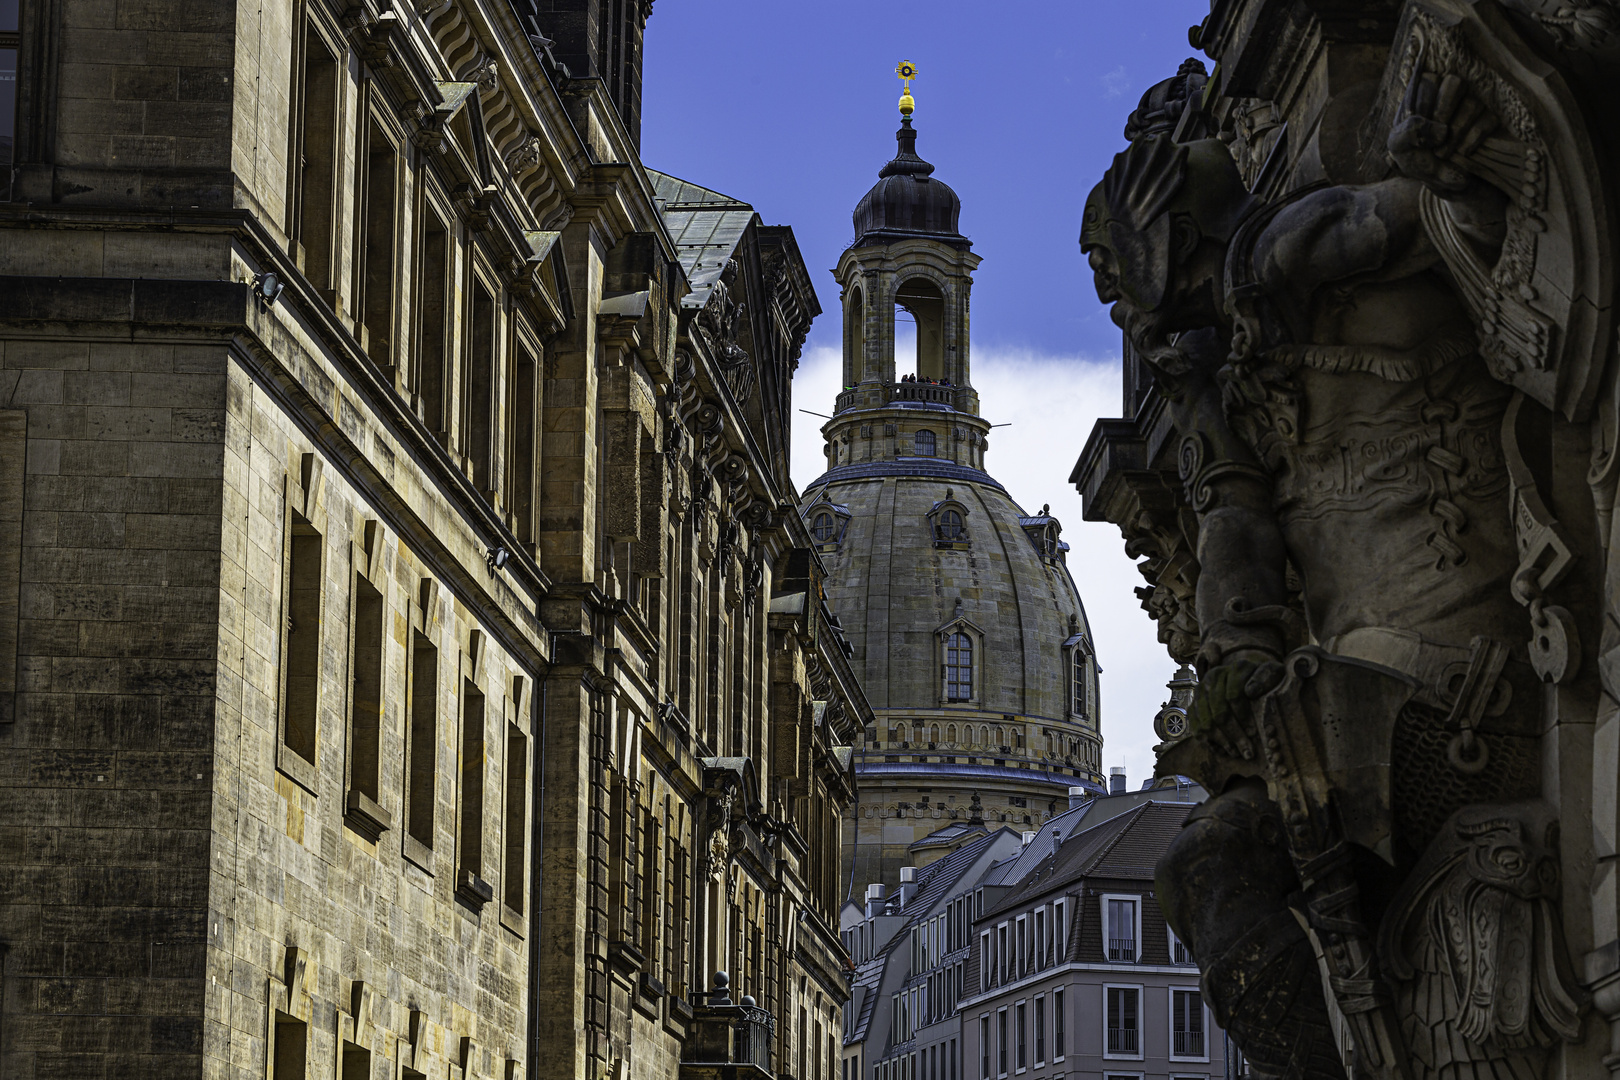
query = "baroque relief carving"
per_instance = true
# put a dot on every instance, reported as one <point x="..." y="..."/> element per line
<point x="1374" y="555"/>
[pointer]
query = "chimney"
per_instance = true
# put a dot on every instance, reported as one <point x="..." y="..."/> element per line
<point x="908" y="884"/>
<point x="1078" y="796"/>
<point x="1116" y="780"/>
<point x="874" y="900"/>
<point x="1029" y="838"/>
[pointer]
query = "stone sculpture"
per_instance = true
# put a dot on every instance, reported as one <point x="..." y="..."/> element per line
<point x="1381" y="366"/>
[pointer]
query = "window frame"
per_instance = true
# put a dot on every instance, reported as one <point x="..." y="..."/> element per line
<point x="973" y="638"/>
<point x="1141" y="1041"/>
<point x="1175" y="940"/>
<point x="1059" y="1032"/>
<point x="936" y="524"/>
<point x="1170" y="1026"/>
<point x="917" y="443"/>
<point x="1135" y="900"/>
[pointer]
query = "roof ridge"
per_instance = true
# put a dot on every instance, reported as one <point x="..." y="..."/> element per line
<point x="1129" y="817"/>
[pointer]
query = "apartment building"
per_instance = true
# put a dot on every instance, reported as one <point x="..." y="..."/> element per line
<point x="926" y="1006"/>
<point x="1074" y="972"/>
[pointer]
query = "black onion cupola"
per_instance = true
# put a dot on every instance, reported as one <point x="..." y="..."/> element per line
<point x="907" y="200"/>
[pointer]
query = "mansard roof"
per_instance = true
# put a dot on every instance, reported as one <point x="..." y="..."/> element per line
<point x="706" y="227"/>
<point x="1126" y="847"/>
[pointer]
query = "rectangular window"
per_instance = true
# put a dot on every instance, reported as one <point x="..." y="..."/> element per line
<point x="365" y="710"/>
<point x="316" y="161"/>
<point x="1122" y="1020"/>
<point x="522" y="468"/>
<point x="1020" y="1019"/>
<point x="378" y="252"/>
<point x="1179" y="953"/>
<point x="986" y="961"/>
<point x="1040" y="1031"/>
<point x="1121" y="930"/>
<point x="301" y="664"/>
<point x="1040" y="939"/>
<point x="433" y="330"/>
<point x="477" y="433"/>
<point x="1060" y="939"/>
<point x="1186" y="1024"/>
<point x="13" y="457"/>
<point x="514" y="831"/>
<point x="423" y="747"/>
<point x="1003" y="955"/>
<point x="289" y="1057"/>
<point x="470" y="820"/>
<point x="1001" y="1042"/>
<point x="356" y="1062"/>
<point x="1021" y="952"/>
<point x="1057" y="1024"/>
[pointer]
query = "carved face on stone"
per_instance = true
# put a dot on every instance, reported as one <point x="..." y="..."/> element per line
<point x="1155" y="230"/>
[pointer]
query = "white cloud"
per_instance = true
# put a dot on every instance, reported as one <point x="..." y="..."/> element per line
<point x="1051" y="403"/>
<point x="1115" y="83"/>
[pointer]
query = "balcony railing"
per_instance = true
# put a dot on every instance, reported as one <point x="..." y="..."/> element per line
<point x="736" y="1038"/>
<point x="933" y="393"/>
<point x="1122" y="1040"/>
<point x="1188" y="1043"/>
<point x="1122" y="950"/>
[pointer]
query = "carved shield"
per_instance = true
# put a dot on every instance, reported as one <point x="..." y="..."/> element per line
<point x="1543" y="304"/>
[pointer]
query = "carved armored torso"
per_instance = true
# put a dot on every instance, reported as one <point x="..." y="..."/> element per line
<point x="1393" y="502"/>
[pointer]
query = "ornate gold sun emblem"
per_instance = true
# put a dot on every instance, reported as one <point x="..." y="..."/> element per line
<point x="907" y="71"/>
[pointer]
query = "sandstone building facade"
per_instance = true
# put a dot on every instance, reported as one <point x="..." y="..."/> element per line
<point x="967" y="629"/>
<point x="411" y="663"/>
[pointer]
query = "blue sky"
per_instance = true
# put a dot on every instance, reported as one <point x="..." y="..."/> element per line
<point x="791" y="106"/>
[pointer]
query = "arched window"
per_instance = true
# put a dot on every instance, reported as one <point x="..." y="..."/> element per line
<point x="984" y="736"/>
<point x="823" y="529"/>
<point x="950" y="734"/>
<point x="950" y="527"/>
<point x="924" y="443"/>
<point x="1001" y="736"/>
<point x="958" y="667"/>
<point x="933" y="735"/>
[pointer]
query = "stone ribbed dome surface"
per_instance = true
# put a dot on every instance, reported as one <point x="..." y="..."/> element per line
<point x="894" y="590"/>
<point x="907" y="200"/>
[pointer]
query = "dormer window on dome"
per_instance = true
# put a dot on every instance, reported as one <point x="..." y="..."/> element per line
<point x="1044" y="531"/>
<point x="827" y="521"/>
<point x="948" y="520"/>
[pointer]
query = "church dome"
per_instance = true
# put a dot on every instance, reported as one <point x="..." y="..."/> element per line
<point x="907" y="200"/>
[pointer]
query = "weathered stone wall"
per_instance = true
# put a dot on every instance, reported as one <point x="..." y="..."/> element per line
<point x="106" y="766"/>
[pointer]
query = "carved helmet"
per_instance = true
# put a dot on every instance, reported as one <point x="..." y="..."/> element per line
<point x="1126" y="230"/>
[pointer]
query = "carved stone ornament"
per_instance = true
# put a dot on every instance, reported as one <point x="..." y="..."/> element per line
<point x="1370" y="479"/>
<point x="718" y="324"/>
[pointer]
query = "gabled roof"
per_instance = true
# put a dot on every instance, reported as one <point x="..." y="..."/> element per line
<point x="706" y="227"/>
<point x="1124" y="847"/>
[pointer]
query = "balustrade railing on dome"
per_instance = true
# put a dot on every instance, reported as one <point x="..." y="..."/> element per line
<point x="932" y="393"/>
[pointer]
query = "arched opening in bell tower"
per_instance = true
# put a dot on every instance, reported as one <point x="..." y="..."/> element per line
<point x="855" y="338"/>
<point x="920" y="298"/>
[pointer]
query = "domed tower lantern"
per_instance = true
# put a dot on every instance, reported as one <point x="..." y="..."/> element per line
<point x="969" y="635"/>
<point x="908" y="253"/>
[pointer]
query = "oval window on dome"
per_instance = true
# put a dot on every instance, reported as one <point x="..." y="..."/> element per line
<point x="823" y="528"/>
<point x="924" y="443"/>
<point x="950" y="526"/>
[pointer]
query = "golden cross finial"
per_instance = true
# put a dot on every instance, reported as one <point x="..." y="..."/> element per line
<point x="907" y="71"/>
